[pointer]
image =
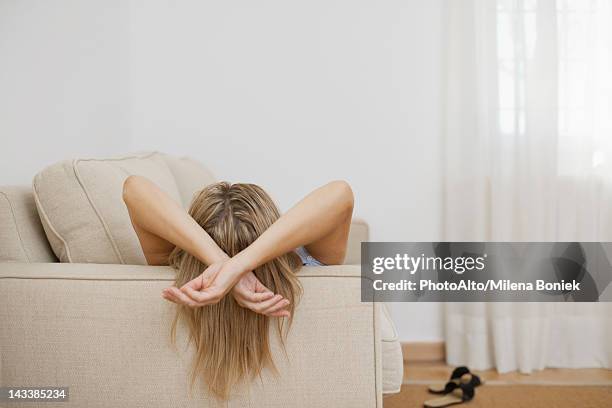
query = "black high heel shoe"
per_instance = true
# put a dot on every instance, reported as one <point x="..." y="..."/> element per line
<point x="459" y="375"/>
<point x="457" y="393"/>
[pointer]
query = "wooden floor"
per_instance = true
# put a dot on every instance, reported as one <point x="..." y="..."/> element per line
<point x="546" y="388"/>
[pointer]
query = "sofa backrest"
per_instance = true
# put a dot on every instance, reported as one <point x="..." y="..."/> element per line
<point x="22" y="238"/>
<point x="75" y="212"/>
<point x="81" y="208"/>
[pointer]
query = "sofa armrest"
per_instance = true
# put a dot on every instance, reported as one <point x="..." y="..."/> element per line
<point x="103" y="331"/>
<point x="360" y="232"/>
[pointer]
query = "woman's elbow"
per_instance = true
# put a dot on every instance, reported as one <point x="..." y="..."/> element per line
<point x="130" y="187"/>
<point x="345" y="196"/>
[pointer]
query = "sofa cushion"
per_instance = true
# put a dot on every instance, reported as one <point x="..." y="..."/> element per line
<point x="22" y="238"/>
<point x="190" y="177"/>
<point x="82" y="211"/>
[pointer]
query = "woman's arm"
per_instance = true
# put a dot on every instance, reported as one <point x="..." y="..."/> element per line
<point x="161" y="224"/>
<point x="320" y="222"/>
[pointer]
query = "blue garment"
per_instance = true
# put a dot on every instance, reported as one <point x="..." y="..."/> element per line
<point x="307" y="259"/>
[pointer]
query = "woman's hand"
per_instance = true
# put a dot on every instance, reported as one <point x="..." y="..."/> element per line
<point x="251" y="294"/>
<point x="221" y="277"/>
<point x="200" y="291"/>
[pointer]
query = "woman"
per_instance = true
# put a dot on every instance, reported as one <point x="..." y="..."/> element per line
<point x="236" y="260"/>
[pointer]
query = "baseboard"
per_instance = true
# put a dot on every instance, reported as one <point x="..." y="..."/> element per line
<point x="424" y="351"/>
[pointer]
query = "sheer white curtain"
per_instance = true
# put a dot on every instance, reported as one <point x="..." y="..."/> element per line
<point x="528" y="156"/>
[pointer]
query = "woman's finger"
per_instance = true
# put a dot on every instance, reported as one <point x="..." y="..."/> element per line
<point x="183" y="298"/>
<point x="257" y="307"/>
<point x="260" y="307"/>
<point x="277" y="307"/>
<point x="253" y="296"/>
<point x="174" y="299"/>
<point x="180" y="298"/>
<point x="201" y="298"/>
<point x="168" y="296"/>
<point x="247" y="304"/>
<point x="204" y="279"/>
<point x="196" y="283"/>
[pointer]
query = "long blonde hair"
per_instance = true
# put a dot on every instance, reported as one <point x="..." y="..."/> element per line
<point x="231" y="342"/>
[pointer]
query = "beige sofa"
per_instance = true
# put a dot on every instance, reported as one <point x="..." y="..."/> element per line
<point x="96" y="323"/>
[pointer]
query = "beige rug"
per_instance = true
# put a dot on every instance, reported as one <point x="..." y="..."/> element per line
<point x="514" y="396"/>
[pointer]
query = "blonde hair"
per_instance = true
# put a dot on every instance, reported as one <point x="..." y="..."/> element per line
<point x="232" y="342"/>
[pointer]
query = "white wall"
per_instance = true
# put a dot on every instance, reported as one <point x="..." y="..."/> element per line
<point x="291" y="94"/>
<point x="284" y="94"/>
<point x="63" y="73"/>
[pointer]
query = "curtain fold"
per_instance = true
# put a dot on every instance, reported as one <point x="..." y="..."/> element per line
<point x="527" y="146"/>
